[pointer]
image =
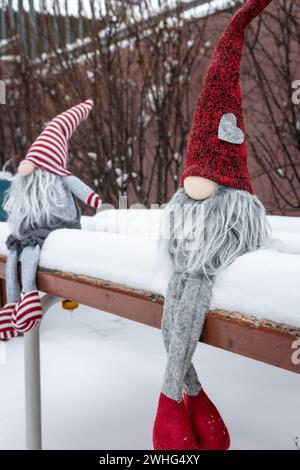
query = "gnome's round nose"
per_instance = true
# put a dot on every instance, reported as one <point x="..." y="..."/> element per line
<point x="26" y="168"/>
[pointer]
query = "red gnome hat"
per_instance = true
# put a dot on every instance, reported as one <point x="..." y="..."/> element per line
<point x="50" y="150"/>
<point x="216" y="147"/>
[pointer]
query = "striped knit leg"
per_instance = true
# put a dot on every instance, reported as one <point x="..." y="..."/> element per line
<point x="30" y="260"/>
<point x="28" y="312"/>
<point x="6" y="328"/>
<point x="13" y="287"/>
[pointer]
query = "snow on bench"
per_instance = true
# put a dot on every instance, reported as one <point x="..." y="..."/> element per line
<point x="122" y="247"/>
<point x="118" y="253"/>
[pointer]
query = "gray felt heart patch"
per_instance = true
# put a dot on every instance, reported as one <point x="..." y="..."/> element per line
<point x="228" y="130"/>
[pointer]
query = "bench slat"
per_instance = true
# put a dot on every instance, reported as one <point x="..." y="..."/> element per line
<point x="264" y="341"/>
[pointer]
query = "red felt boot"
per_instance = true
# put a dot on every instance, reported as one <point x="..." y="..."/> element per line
<point x="172" y="428"/>
<point x="209" y="428"/>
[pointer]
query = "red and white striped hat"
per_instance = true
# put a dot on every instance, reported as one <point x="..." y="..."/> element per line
<point x="50" y="150"/>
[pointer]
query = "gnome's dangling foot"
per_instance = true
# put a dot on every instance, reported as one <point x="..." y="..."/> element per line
<point x="12" y="293"/>
<point x="172" y="427"/>
<point x="28" y="311"/>
<point x="195" y="422"/>
<point x="6" y="327"/>
<point x="182" y="327"/>
<point x="208" y="425"/>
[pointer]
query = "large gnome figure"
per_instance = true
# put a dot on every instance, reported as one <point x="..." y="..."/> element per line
<point x="209" y="222"/>
<point x="40" y="200"/>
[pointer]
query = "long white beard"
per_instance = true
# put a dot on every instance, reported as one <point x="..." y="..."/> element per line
<point x="34" y="201"/>
<point x="204" y="237"/>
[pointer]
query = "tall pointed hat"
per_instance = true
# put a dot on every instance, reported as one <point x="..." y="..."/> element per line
<point x="216" y="147"/>
<point x="50" y="151"/>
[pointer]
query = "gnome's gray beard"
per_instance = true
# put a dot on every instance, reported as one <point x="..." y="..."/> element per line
<point x="205" y="237"/>
<point x="34" y="201"/>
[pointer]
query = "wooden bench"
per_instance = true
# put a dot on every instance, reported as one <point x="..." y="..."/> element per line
<point x="264" y="341"/>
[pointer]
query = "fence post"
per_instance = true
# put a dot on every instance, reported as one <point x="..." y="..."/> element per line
<point x="33" y="411"/>
<point x="33" y="390"/>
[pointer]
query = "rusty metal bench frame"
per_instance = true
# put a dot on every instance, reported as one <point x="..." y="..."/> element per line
<point x="262" y="340"/>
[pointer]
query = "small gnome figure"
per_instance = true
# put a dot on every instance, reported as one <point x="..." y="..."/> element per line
<point x="40" y="200"/>
<point x="211" y="220"/>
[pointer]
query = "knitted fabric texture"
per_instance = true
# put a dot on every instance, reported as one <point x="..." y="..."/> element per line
<point x="67" y="216"/>
<point x="39" y="235"/>
<point x="50" y="149"/>
<point x="207" y="155"/>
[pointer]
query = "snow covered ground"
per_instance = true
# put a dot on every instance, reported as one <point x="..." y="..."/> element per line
<point x="101" y="377"/>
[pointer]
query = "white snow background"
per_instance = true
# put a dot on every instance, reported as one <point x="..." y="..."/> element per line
<point x="101" y="378"/>
<point x="101" y="375"/>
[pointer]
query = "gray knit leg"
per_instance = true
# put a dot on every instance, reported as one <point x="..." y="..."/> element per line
<point x="187" y="328"/>
<point x="176" y="285"/>
<point x="192" y="385"/>
<point x="13" y="288"/>
<point x="30" y="260"/>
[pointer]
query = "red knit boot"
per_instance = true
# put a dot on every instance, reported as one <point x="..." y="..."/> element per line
<point x="209" y="428"/>
<point x="172" y="428"/>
